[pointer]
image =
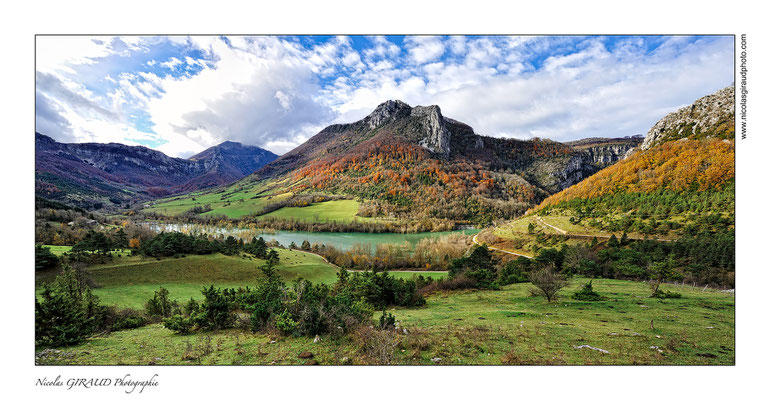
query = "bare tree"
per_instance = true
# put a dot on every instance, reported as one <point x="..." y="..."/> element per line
<point x="547" y="283"/>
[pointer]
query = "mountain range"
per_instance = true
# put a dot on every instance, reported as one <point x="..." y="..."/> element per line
<point x="92" y="175"/>
<point x="399" y="161"/>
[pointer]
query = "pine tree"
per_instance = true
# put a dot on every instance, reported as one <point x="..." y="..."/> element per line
<point x="66" y="311"/>
<point x="624" y="239"/>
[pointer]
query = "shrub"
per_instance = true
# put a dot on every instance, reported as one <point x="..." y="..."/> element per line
<point x="662" y="271"/>
<point x="511" y="273"/>
<point x="665" y="294"/>
<point x="547" y="283"/>
<point x="586" y="293"/>
<point x="179" y="324"/>
<point x="477" y="266"/>
<point x="387" y="321"/>
<point x="266" y="299"/>
<point x="382" y="290"/>
<point x="285" y="323"/>
<point x="127" y="319"/>
<point x="242" y="320"/>
<point x="457" y="283"/>
<point x="378" y="346"/>
<point x="160" y="305"/>
<point x="214" y="312"/>
<point x="301" y="309"/>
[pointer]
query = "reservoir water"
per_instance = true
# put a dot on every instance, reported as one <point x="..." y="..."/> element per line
<point x="340" y="240"/>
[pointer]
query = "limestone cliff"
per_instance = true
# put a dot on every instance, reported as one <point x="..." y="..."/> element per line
<point x="709" y="116"/>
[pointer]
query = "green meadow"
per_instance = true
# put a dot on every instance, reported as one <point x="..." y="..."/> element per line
<point x="59" y="250"/>
<point x="471" y="327"/>
<point x="234" y="201"/>
<point x="411" y="274"/>
<point x="242" y="200"/>
<point x="129" y="282"/>
<point x="327" y="211"/>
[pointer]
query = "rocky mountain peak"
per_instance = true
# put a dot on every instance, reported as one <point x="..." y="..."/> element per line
<point x="387" y="111"/>
<point x="709" y="116"/>
<point x="430" y="124"/>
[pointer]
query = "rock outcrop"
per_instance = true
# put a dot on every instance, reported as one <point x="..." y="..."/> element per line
<point x="606" y="151"/>
<point x="437" y="135"/>
<point x="387" y="111"/>
<point x="709" y="116"/>
<point x="430" y="129"/>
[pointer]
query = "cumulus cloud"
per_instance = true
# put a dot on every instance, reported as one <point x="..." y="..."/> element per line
<point x="259" y="93"/>
<point x="186" y="94"/>
<point x="594" y="91"/>
<point x="423" y="49"/>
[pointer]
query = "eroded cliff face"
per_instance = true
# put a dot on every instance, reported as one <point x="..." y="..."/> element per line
<point x="437" y="136"/>
<point x="606" y="155"/>
<point x="709" y="116"/>
<point x="589" y="156"/>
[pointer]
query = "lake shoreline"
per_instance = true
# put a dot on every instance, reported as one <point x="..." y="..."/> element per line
<point x="341" y="240"/>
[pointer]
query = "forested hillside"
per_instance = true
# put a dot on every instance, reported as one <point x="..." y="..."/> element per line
<point x="665" y="211"/>
<point x="684" y="181"/>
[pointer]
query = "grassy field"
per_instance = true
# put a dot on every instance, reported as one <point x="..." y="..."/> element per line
<point x="334" y="210"/>
<point x="468" y="327"/>
<point x="521" y="225"/>
<point x="58" y="250"/>
<point x="130" y="281"/>
<point x="410" y="274"/>
<point x="527" y="330"/>
<point x="561" y="220"/>
<point x="236" y="202"/>
<point x="233" y="207"/>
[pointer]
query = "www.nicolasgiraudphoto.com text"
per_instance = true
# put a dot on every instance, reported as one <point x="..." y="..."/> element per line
<point x="744" y="90"/>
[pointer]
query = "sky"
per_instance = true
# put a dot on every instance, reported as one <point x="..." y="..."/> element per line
<point x="181" y="95"/>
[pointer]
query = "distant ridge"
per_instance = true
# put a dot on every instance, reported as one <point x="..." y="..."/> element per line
<point x="93" y="175"/>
